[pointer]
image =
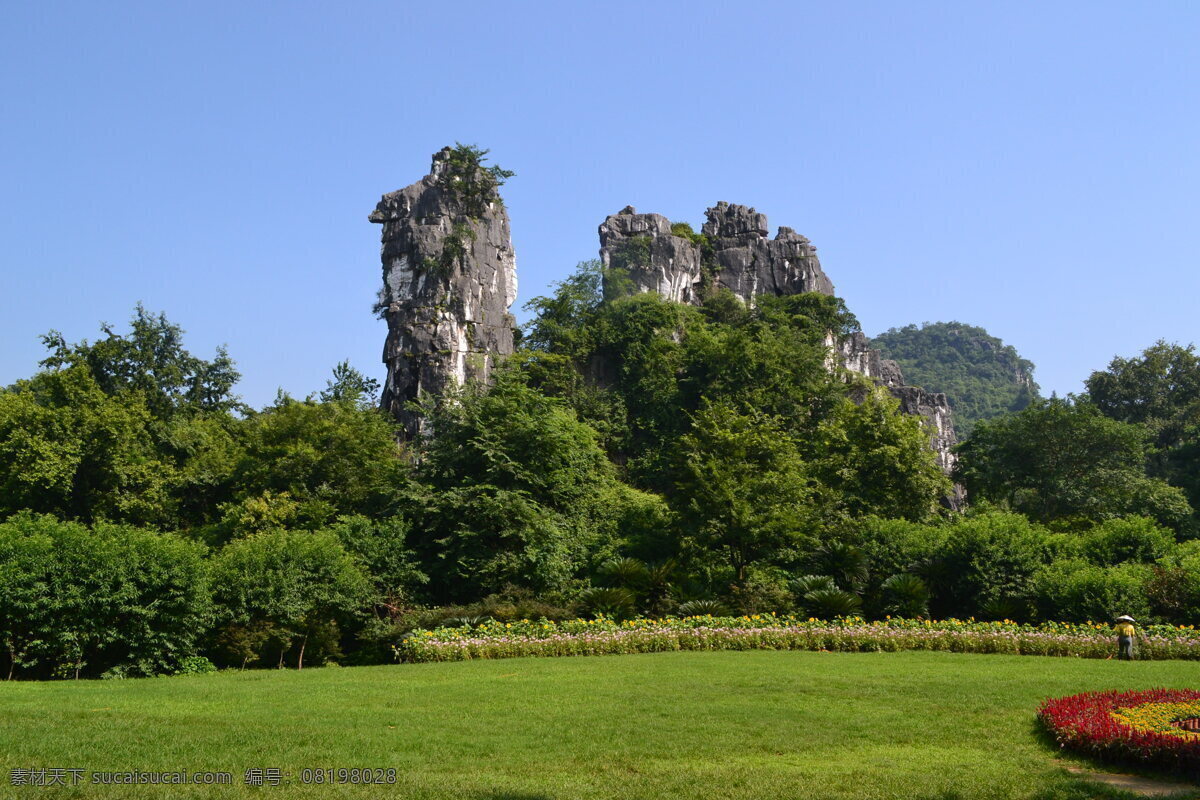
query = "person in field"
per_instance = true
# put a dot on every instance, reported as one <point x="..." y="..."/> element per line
<point x="1125" y="634"/>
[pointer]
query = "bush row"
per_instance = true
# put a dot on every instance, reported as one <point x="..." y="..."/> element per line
<point x="113" y="600"/>
<point x="774" y="632"/>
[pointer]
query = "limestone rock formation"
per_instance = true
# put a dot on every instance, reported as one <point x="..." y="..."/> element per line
<point x="733" y="252"/>
<point x="449" y="278"/>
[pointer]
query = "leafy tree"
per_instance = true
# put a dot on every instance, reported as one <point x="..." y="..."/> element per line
<point x="382" y="548"/>
<point x="986" y="557"/>
<point x="1076" y="591"/>
<point x="68" y="448"/>
<point x="516" y="482"/>
<point x="1063" y="460"/>
<point x="351" y="386"/>
<point x="634" y="367"/>
<point x="743" y="489"/>
<point x="561" y="322"/>
<point x="1133" y="539"/>
<point x="330" y="458"/>
<point x="298" y="582"/>
<point x="982" y="377"/>
<point x="875" y="460"/>
<point x="1161" y="390"/>
<point x="473" y="183"/>
<point x="80" y="601"/>
<point x="151" y="361"/>
<point x="132" y="428"/>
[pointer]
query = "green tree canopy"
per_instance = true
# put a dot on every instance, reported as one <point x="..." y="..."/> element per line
<point x="299" y="582"/>
<point x="514" y="480"/>
<point x="981" y="375"/>
<point x="1159" y="389"/>
<point x="1061" y="460"/>
<point x="743" y="489"/>
<point x="151" y="361"/>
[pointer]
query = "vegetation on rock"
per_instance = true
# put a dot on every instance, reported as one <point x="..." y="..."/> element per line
<point x="980" y="375"/>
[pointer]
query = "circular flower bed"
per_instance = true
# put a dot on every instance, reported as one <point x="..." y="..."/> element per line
<point x="1148" y="726"/>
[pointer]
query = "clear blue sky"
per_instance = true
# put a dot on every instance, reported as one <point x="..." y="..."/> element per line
<point x="1031" y="168"/>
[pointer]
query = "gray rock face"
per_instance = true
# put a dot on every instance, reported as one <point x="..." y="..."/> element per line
<point x="734" y="253"/>
<point x="449" y="278"/>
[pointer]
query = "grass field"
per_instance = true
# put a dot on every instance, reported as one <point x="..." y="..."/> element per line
<point x="672" y="725"/>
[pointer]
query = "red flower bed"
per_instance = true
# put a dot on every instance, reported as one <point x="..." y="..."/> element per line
<point x="1085" y="723"/>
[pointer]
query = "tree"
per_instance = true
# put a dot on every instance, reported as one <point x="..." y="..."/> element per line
<point x="743" y="489"/>
<point x="76" y="600"/>
<point x="348" y="385"/>
<point x="1060" y="460"/>
<point x="982" y="376"/>
<point x="152" y="361"/>
<point x="875" y="460"/>
<point x="1160" y="390"/>
<point x="986" y="558"/>
<point x="330" y="458"/>
<point x="298" y="582"/>
<point x="68" y="448"/>
<point x="382" y="548"/>
<point x="132" y="428"/>
<point x="467" y="178"/>
<point x="515" y="481"/>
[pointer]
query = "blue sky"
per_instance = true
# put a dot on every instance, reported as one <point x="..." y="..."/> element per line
<point x="1031" y="168"/>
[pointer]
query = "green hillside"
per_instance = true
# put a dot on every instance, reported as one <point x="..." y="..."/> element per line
<point x="981" y="375"/>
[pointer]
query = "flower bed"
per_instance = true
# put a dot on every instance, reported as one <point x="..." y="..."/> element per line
<point x="1128" y="726"/>
<point x="779" y="632"/>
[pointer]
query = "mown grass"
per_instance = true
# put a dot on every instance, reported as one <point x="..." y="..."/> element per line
<point x="672" y="725"/>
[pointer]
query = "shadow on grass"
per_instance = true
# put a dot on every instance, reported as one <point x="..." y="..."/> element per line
<point x="1077" y="789"/>
<point x="1083" y="787"/>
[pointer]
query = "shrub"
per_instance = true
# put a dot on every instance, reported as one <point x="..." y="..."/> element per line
<point x="300" y="583"/>
<point x="1077" y="591"/>
<point x="195" y="665"/>
<point x="701" y="608"/>
<point x="832" y="603"/>
<point x="1131" y="539"/>
<point x="614" y="603"/>
<point x="905" y="596"/>
<point x="78" y="601"/>
<point x="985" y="557"/>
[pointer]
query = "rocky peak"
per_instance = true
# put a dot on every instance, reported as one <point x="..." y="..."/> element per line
<point x="732" y="252"/>
<point x="449" y="278"/>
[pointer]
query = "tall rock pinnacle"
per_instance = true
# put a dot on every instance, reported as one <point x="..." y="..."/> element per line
<point x="733" y="252"/>
<point x="449" y="278"/>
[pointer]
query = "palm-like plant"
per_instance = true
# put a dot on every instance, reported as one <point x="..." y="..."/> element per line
<point x="628" y="573"/>
<point x="810" y="583"/>
<point x="1011" y="608"/>
<point x="845" y="563"/>
<point x="616" y="603"/>
<point x="699" y="608"/>
<point x="831" y="603"/>
<point x="905" y="595"/>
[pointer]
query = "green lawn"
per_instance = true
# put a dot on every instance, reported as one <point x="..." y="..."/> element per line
<point x="672" y="725"/>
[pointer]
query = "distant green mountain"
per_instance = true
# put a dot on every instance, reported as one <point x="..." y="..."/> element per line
<point x="981" y="375"/>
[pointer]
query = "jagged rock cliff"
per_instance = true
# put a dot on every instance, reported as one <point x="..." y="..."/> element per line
<point x="449" y="278"/>
<point x="733" y="252"/>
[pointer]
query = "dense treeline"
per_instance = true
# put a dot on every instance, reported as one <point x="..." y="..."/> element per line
<point x="634" y="457"/>
<point x="981" y="375"/>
